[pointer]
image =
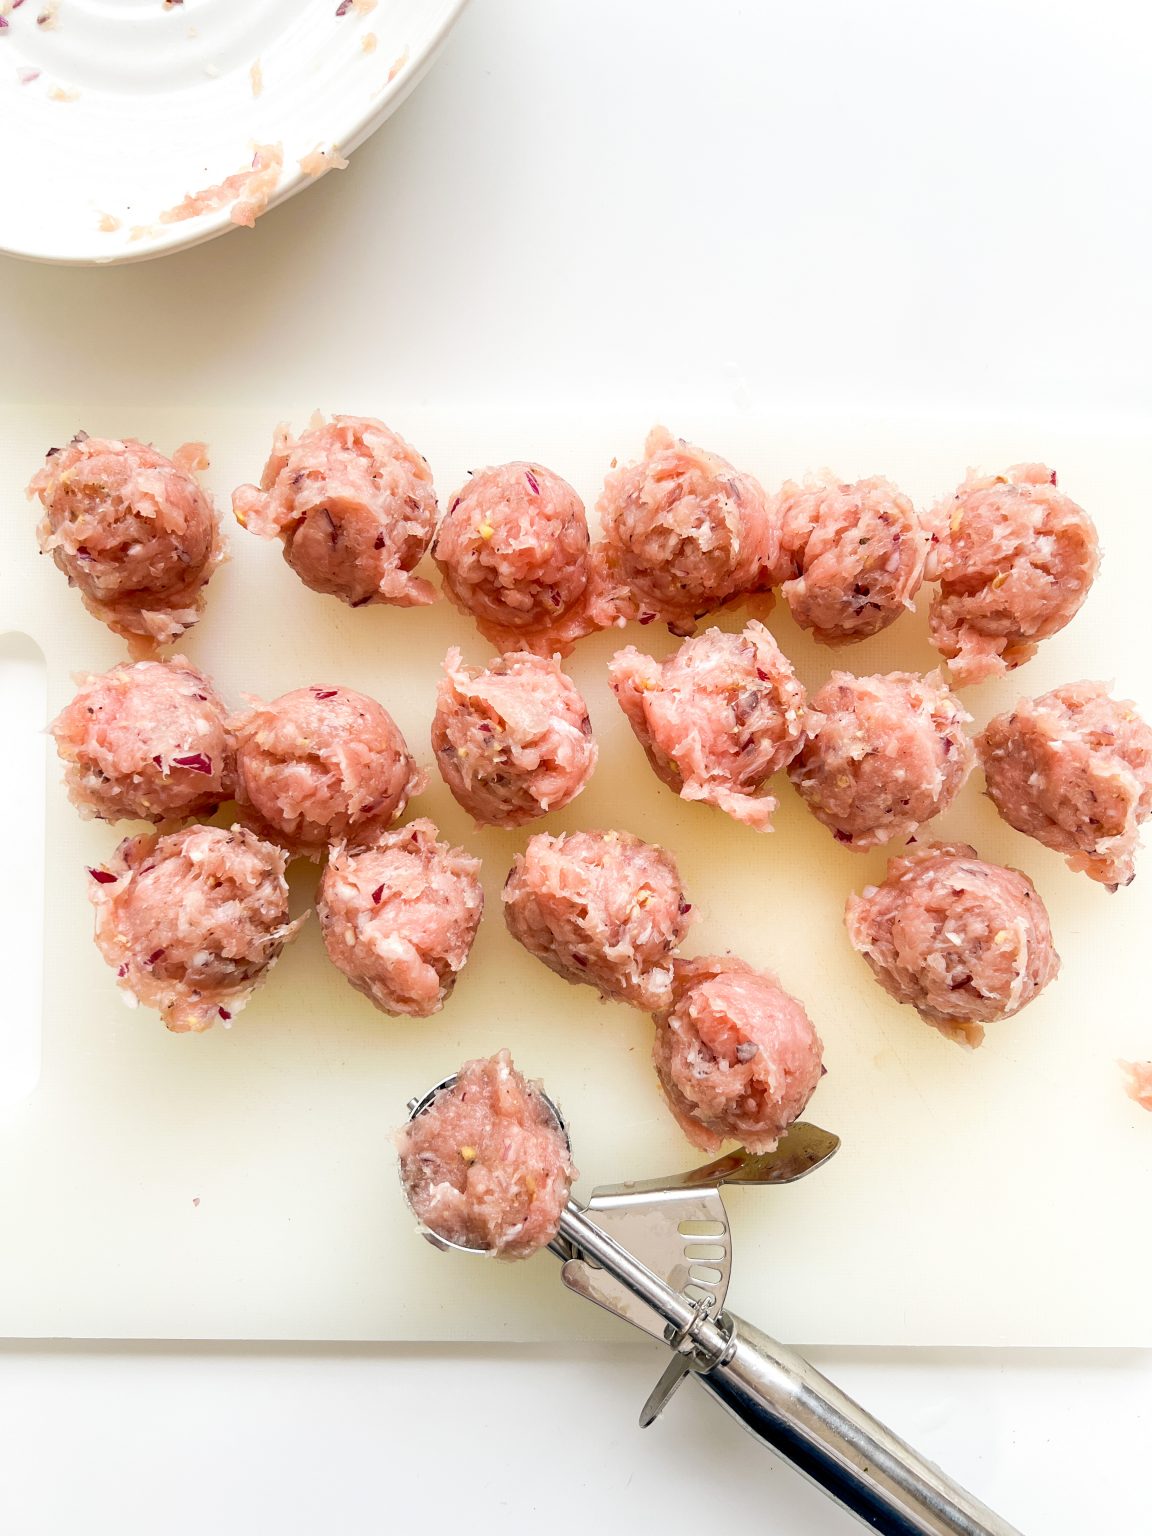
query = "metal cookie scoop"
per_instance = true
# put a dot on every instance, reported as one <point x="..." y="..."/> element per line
<point x="658" y="1254"/>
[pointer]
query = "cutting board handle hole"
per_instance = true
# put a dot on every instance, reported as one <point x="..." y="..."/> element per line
<point x="24" y="711"/>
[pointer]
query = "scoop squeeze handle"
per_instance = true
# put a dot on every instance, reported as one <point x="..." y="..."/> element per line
<point x="781" y="1399"/>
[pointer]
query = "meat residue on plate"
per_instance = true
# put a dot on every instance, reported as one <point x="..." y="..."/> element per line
<point x="320" y="161"/>
<point x="108" y="223"/>
<point x="397" y="65"/>
<point x="368" y="43"/>
<point x="249" y="191"/>
<point x="256" y="76"/>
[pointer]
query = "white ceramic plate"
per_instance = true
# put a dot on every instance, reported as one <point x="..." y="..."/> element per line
<point x="115" y="111"/>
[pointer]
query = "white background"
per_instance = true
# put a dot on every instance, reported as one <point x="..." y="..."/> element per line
<point x="892" y="207"/>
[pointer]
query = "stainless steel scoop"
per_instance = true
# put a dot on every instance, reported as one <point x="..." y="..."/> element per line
<point x="658" y="1254"/>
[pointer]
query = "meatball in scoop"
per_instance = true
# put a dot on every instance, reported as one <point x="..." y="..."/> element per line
<point x="486" y="1166"/>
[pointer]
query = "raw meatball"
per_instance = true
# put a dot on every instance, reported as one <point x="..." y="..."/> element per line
<point x="1073" y="769"/>
<point x="399" y="917"/>
<point x="1014" y="558"/>
<point x="148" y="740"/>
<point x="320" y="766"/>
<point x="192" y="922"/>
<point x="883" y="754"/>
<point x="1138" y="1082"/>
<point x="486" y="1165"/>
<point x="965" y="942"/>
<point x="602" y="908"/>
<point x="132" y="531"/>
<point x="717" y="718"/>
<point x="736" y="1055"/>
<point x="354" y="506"/>
<point x="683" y="533"/>
<point x="513" y="740"/>
<point x="513" y="549"/>
<point x="853" y="554"/>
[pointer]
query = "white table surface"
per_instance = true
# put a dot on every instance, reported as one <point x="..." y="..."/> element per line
<point x="755" y="206"/>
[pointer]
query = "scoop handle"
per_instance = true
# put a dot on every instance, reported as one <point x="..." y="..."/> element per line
<point x="800" y="1414"/>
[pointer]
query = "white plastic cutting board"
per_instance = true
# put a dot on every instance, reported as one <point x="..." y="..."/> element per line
<point x="241" y="1184"/>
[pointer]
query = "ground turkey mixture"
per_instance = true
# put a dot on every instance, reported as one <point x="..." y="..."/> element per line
<point x="737" y="1056"/>
<point x="1014" y="558"/>
<point x="1073" y="769"/>
<point x="354" y="507"/>
<point x="883" y="755"/>
<point x="717" y="718"/>
<point x="682" y="534"/>
<point x="147" y="741"/>
<point x="513" y="550"/>
<point x="399" y="916"/>
<point x="1138" y="1081"/>
<point x="853" y="556"/>
<point x="965" y="942"/>
<point x="192" y="922"/>
<point x="132" y="531"/>
<point x="322" y="765"/>
<point x="486" y="1166"/>
<point x="513" y="740"/>
<point x="602" y="908"/>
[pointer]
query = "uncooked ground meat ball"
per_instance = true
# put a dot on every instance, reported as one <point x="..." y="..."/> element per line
<point x="192" y="922"/>
<point x="485" y="1165"/>
<point x="513" y="740"/>
<point x="883" y="755"/>
<point x="965" y="942"/>
<point x="354" y="506"/>
<point x="1138" y="1082"/>
<point x="602" y="908"/>
<point x="132" y="531"/>
<point x="1073" y="769"/>
<point x="1014" y="558"/>
<point x="737" y="1056"/>
<point x="320" y="766"/>
<point x="399" y="917"/>
<point x="148" y="740"/>
<point x="683" y="533"/>
<point x="513" y="549"/>
<point x="717" y="718"/>
<point x="853" y="556"/>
